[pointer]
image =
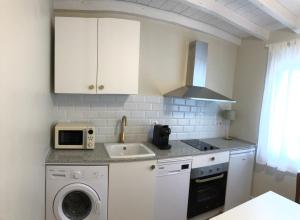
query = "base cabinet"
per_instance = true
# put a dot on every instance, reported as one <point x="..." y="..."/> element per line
<point x="131" y="190"/>
<point x="239" y="180"/>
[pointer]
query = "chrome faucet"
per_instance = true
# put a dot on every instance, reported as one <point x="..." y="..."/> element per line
<point x="122" y="133"/>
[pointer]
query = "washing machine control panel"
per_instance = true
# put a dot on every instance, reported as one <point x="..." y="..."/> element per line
<point x="74" y="174"/>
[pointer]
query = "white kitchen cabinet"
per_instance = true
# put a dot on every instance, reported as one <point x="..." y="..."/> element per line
<point x="75" y="55"/>
<point x="239" y="180"/>
<point x="131" y="190"/>
<point x="96" y="56"/>
<point x="118" y="56"/>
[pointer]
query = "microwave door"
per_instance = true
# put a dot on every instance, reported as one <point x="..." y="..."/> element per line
<point x="71" y="137"/>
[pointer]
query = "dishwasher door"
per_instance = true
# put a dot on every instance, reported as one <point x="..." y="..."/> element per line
<point x="172" y="189"/>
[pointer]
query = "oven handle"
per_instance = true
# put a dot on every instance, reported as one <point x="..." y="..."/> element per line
<point x="209" y="179"/>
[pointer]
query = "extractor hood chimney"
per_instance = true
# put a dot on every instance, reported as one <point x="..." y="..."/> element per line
<point x="196" y="77"/>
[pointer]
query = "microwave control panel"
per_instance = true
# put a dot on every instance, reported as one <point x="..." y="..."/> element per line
<point x="90" y="138"/>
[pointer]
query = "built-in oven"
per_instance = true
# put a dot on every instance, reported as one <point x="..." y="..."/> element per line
<point x="207" y="184"/>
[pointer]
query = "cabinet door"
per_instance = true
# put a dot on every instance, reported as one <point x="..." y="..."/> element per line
<point x="118" y="56"/>
<point x="75" y="55"/>
<point x="239" y="180"/>
<point x="131" y="191"/>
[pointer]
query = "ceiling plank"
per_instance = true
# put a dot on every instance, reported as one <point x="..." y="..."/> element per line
<point x="145" y="11"/>
<point x="279" y="13"/>
<point x="222" y="12"/>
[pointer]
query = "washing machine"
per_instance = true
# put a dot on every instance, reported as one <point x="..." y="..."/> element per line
<point x="76" y="192"/>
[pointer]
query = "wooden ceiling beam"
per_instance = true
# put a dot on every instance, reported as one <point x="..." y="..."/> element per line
<point x="279" y="13"/>
<point x="145" y="11"/>
<point x="216" y="9"/>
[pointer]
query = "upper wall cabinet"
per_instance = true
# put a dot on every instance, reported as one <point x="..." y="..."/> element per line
<point x="96" y="56"/>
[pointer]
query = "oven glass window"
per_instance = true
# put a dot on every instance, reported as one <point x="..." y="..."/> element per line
<point x="76" y="205"/>
<point x="206" y="194"/>
<point x="66" y="137"/>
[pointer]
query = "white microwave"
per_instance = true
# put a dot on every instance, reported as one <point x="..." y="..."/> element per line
<point x="73" y="135"/>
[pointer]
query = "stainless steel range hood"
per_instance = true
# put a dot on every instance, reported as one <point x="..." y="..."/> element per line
<point x="196" y="76"/>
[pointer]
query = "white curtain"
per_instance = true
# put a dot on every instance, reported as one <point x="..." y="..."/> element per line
<point x="279" y="131"/>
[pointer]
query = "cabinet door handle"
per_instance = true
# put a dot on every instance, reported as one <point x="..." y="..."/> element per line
<point x="212" y="158"/>
<point x="91" y="87"/>
<point x="152" y="167"/>
<point x="101" y="87"/>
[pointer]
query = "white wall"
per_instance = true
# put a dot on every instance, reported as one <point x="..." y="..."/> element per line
<point x="248" y="91"/>
<point x="26" y="108"/>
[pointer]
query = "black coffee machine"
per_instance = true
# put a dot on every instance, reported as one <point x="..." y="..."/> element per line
<point x="161" y="135"/>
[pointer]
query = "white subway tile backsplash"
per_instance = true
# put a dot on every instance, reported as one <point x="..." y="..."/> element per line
<point x="167" y="100"/>
<point x="187" y="118"/>
<point x="137" y="114"/>
<point x="183" y="122"/>
<point x="178" y="115"/>
<point x="184" y="108"/>
<point x="151" y="114"/>
<point x="153" y="99"/>
<point x="179" y="101"/>
<point x="189" y="115"/>
<point x="190" y="102"/>
<point x="172" y="108"/>
<point x="188" y="128"/>
<point x="144" y="106"/>
<point x="169" y="121"/>
<point x="130" y="106"/>
<point x="176" y="129"/>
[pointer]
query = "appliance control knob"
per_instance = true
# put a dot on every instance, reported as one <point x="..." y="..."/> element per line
<point x="77" y="174"/>
<point x="90" y="131"/>
<point x="90" y="145"/>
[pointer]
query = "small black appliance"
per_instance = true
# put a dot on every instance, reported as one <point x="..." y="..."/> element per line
<point x="161" y="135"/>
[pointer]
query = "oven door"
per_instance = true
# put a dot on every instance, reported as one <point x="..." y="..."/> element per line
<point x="206" y="193"/>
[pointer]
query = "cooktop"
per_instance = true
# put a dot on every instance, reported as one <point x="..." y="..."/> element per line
<point x="200" y="145"/>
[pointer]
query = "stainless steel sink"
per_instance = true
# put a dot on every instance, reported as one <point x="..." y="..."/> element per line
<point x="130" y="150"/>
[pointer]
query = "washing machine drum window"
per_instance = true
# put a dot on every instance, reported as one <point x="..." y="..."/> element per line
<point x="76" y="205"/>
<point x="76" y="202"/>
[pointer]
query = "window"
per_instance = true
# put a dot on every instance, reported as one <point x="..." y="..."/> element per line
<point x="279" y="132"/>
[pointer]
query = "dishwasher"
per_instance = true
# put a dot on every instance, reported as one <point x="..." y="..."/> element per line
<point x="172" y="188"/>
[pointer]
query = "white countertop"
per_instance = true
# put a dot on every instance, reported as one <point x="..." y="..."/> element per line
<point x="268" y="206"/>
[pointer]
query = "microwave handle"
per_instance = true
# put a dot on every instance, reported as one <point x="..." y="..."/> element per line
<point x="209" y="179"/>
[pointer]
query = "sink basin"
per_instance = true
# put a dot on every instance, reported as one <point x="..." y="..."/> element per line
<point x="130" y="150"/>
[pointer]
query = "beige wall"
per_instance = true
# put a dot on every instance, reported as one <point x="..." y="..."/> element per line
<point x="248" y="91"/>
<point x="25" y="111"/>
<point x="163" y="55"/>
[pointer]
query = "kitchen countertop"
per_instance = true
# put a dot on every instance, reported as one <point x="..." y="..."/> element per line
<point x="98" y="156"/>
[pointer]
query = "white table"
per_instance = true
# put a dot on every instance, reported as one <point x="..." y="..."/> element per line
<point x="268" y="206"/>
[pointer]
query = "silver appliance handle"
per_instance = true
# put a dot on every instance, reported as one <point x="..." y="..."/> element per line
<point x="209" y="179"/>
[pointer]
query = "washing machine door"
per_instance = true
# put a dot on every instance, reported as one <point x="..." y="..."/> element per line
<point x="77" y="202"/>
